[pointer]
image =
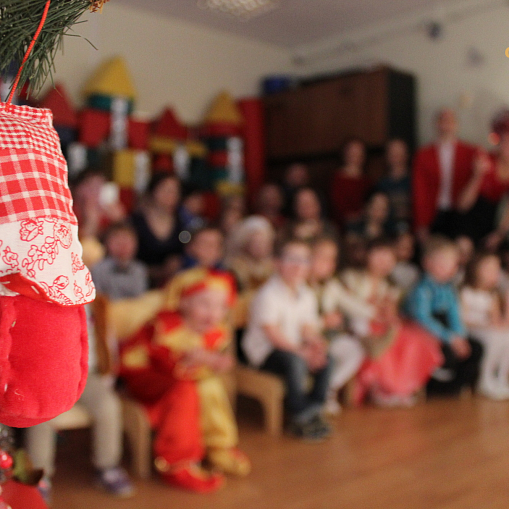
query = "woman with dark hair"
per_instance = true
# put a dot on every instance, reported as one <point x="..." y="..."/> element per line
<point x="159" y="228"/>
<point x="95" y="203"/>
<point x="396" y="184"/>
<point x="375" y="221"/>
<point x="309" y="223"/>
<point x="350" y="186"/>
<point x="489" y="184"/>
<point x="269" y="204"/>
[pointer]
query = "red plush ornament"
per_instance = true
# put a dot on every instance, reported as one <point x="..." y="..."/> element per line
<point x="43" y="281"/>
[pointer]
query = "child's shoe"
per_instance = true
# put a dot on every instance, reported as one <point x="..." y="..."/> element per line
<point x="386" y="400"/>
<point x="332" y="406"/>
<point x="230" y="461"/>
<point x="321" y="425"/>
<point x="193" y="477"/>
<point x="493" y="392"/>
<point x="116" y="482"/>
<point x="44" y="488"/>
<point x="315" y="430"/>
<point x="504" y="391"/>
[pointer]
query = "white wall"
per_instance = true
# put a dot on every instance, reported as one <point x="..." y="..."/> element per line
<point x="441" y="66"/>
<point x="184" y="65"/>
<point x="172" y="62"/>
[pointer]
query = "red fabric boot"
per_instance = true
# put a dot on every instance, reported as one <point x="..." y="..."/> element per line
<point x="194" y="478"/>
<point x="43" y="359"/>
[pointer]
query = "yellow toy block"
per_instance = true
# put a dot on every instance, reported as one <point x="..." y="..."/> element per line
<point x="162" y="145"/>
<point x="196" y="149"/>
<point x="225" y="188"/>
<point x="112" y="78"/>
<point x="224" y="110"/>
<point x="130" y="168"/>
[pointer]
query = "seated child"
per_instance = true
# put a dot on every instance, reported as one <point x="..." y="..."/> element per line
<point x="172" y="366"/>
<point x="466" y="250"/>
<point x="252" y="253"/>
<point x="251" y="261"/>
<point x="283" y="337"/>
<point x="204" y="253"/>
<point x="205" y="249"/>
<point x="192" y="208"/>
<point x="503" y="281"/>
<point x="400" y="355"/>
<point x="233" y="210"/>
<point x="120" y="275"/>
<point x="103" y="404"/>
<point x="354" y="251"/>
<point x="405" y="274"/>
<point x="481" y="310"/>
<point x="434" y="304"/>
<point x="375" y="221"/>
<point x="336" y="305"/>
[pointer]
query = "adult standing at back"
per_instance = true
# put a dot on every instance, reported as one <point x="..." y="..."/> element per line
<point x="350" y="186"/>
<point x="441" y="171"/>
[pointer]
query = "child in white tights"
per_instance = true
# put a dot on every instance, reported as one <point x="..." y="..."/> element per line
<point x="336" y="306"/>
<point x="488" y="322"/>
<point x="103" y="404"/>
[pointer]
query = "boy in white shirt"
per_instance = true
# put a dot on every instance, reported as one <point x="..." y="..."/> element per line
<point x="283" y="337"/>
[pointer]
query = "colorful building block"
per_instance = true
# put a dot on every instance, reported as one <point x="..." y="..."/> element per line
<point x="169" y="126"/>
<point x="131" y="169"/>
<point x="138" y="134"/>
<point x="94" y="127"/>
<point x="64" y="113"/>
<point x="111" y="79"/>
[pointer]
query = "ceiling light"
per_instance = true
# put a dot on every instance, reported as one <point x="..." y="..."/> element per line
<point x="242" y="9"/>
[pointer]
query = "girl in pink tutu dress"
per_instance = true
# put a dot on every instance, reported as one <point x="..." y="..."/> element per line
<point x="401" y="355"/>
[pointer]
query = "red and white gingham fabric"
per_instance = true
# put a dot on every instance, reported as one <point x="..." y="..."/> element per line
<point x="40" y="254"/>
<point x="34" y="174"/>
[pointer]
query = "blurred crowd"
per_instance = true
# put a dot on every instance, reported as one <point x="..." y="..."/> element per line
<point x="393" y="286"/>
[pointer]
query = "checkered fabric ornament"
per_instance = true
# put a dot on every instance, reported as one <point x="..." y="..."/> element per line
<point x="43" y="281"/>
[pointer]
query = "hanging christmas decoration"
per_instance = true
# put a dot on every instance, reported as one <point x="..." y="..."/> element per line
<point x="44" y="284"/>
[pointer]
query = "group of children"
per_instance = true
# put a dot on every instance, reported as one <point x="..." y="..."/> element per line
<point x="309" y="324"/>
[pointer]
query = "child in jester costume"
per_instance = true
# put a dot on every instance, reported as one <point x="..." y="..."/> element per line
<point x="173" y="367"/>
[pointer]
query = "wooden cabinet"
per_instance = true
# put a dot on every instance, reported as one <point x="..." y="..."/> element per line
<point x="313" y="120"/>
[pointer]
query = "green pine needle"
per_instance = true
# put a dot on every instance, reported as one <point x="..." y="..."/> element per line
<point x="19" y="20"/>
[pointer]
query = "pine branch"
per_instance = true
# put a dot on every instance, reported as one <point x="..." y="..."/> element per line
<point x="19" y="20"/>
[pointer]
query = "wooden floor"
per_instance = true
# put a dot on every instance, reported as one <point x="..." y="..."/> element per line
<point x="443" y="454"/>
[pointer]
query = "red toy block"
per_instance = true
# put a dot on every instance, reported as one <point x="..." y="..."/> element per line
<point x="138" y="134"/>
<point x="163" y="162"/>
<point x="64" y="114"/>
<point x="220" y="130"/>
<point x="218" y="159"/>
<point x="169" y="126"/>
<point x="94" y="127"/>
<point x="254" y="145"/>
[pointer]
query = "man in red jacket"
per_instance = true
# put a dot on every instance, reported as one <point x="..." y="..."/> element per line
<point x="440" y="173"/>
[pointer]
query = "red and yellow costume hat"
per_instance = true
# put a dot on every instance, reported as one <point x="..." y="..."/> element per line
<point x="194" y="281"/>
